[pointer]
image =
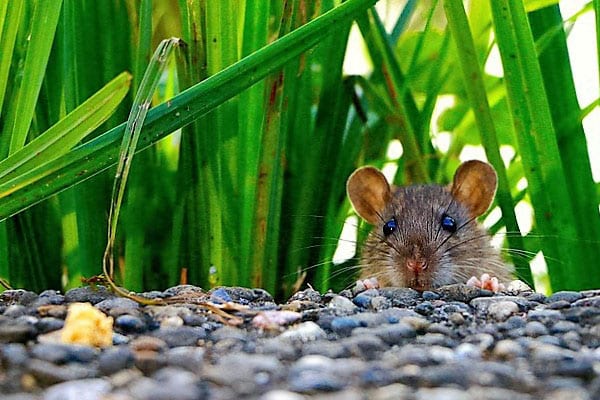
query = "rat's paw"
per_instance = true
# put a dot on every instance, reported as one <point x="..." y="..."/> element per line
<point x="486" y="282"/>
<point x="364" y="284"/>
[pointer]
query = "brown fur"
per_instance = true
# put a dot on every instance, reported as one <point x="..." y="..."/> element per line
<point x="419" y="238"/>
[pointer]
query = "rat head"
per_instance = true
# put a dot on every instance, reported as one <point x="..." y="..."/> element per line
<point x="425" y="236"/>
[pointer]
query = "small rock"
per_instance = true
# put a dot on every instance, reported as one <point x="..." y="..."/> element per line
<point x="274" y="319"/>
<point x="88" y="294"/>
<point x="15" y="311"/>
<point x="148" y="343"/>
<point x="130" y="324"/>
<point x="391" y="392"/>
<point x="563" y="327"/>
<point x="568" y="394"/>
<point x="366" y="346"/>
<point x="13" y="354"/>
<point x="545" y="316"/>
<point x="13" y="331"/>
<point x="47" y="373"/>
<point x="461" y="293"/>
<point x="401" y="297"/>
<point x="569" y="296"/>
<point x="189" y="358"/>
<point x="342" y="305"/>
<point x="63" y="353"/>
<point x="281" y="395"/>
<point x="122" y="303"/>
<point x="501" y="310"/>
<point x="508" y="349"/>
<point x="535" y="329"/>
<point x="49" y="324"/>
<point x="17" y="296"/>
<point x="304" y="332"/>
<point x="395" y="333"/>
<point x="315" y="373"/>
<point x="115" y="359"/>
<point x="180" y="336"/>
<point x="83" y="389"/>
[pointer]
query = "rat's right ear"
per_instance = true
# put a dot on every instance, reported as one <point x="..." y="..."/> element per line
<point x="369" y="192"/>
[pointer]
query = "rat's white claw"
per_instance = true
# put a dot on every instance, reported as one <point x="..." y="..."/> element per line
<point x="371" y="283"/>
<point x="473" y="281"/>
<point x="364" y="284"/>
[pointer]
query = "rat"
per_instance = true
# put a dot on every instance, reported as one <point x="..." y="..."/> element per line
<point x="427" y="236"/>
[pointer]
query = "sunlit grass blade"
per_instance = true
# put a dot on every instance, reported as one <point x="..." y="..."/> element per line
<point x="92" y="157"/>
<point x="377" y="40"/>
<point x="560" y="88"/>
<point x="537" y="140"/>
<point x="476" y="91"/>
<point x="69" y="131"/>
<point x="8" y="32"/>
<point x="18" y="120"/>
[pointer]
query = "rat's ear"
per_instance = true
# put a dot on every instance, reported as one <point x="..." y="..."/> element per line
<point x="474" y="186"/>
<point x="369" y="193"/>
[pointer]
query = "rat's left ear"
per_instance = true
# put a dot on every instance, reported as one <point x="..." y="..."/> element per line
<point x="474" y="186"/>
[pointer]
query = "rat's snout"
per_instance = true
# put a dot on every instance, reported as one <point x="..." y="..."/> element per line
<point x="416" y="265"/>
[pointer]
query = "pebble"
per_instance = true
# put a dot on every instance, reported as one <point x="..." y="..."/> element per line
<point x="115" y="359"/>
<point x="456" y="342"/>
<point x="88" y="294"/>
<point x="82" y="389"/>
<point x="130" y="324"/>
<point x="568" y="296"/>
<point x="342" y="305"/>
<point x="304" y="332"/>
<point x="535" y="329"/>
<point x="501" y="310"/>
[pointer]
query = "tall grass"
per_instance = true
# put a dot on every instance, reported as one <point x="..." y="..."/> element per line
<point x="255" y="129"/>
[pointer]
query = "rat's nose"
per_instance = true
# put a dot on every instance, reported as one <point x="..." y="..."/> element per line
<point x="416" y="265"/>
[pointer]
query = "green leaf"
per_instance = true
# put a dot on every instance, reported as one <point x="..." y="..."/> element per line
<point x="67" y="132"/>
<point x="44" y="22"/>
<point x="97" y="155"/>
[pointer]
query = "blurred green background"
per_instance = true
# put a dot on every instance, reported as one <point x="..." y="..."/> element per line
<point x="261" y="117"/>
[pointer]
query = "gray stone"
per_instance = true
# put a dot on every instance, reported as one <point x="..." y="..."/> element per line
<point x="180" y="336"/>
<point x="88" y="294"/>
<point x="17" y="296"/>
<point x="535" y="329"/>
<point x="304" y="332"/>
<point x="544" y="316"/>
<point x="500" y="311"/>
<point x="342" y="305"/>
<point x="83" y="389"/>
<point x="47" y="373"/>
<point x="190" y="358"/>
<point x="49" y="324"/>
<point x="57" y="353"/>
<point x="13" y="354"/>
<point x="114" y="359"/>
<point x="14" y="331"/>
<point x="462" y="293"/>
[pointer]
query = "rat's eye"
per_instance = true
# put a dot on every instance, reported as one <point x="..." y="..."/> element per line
<point x="448" y="223"/>
<point x="390" y="227"/>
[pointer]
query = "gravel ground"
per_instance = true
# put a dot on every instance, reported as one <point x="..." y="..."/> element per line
<point x="391" y="343"/>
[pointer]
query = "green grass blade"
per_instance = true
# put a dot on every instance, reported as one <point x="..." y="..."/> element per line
<point x="537" y="141"/>
<point x="8" y="30"/>
<point x="377" y="40"/>
<point x="473" y="79"/>
<point x="140" y="107"/>
<point x="69" y="131"/>
<point x="560" y="88"/>
<point x="44" y="22"/>
<point x="99" y="154"/>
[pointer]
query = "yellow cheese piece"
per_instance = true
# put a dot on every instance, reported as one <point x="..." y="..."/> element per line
<point x="87" y="325"/>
